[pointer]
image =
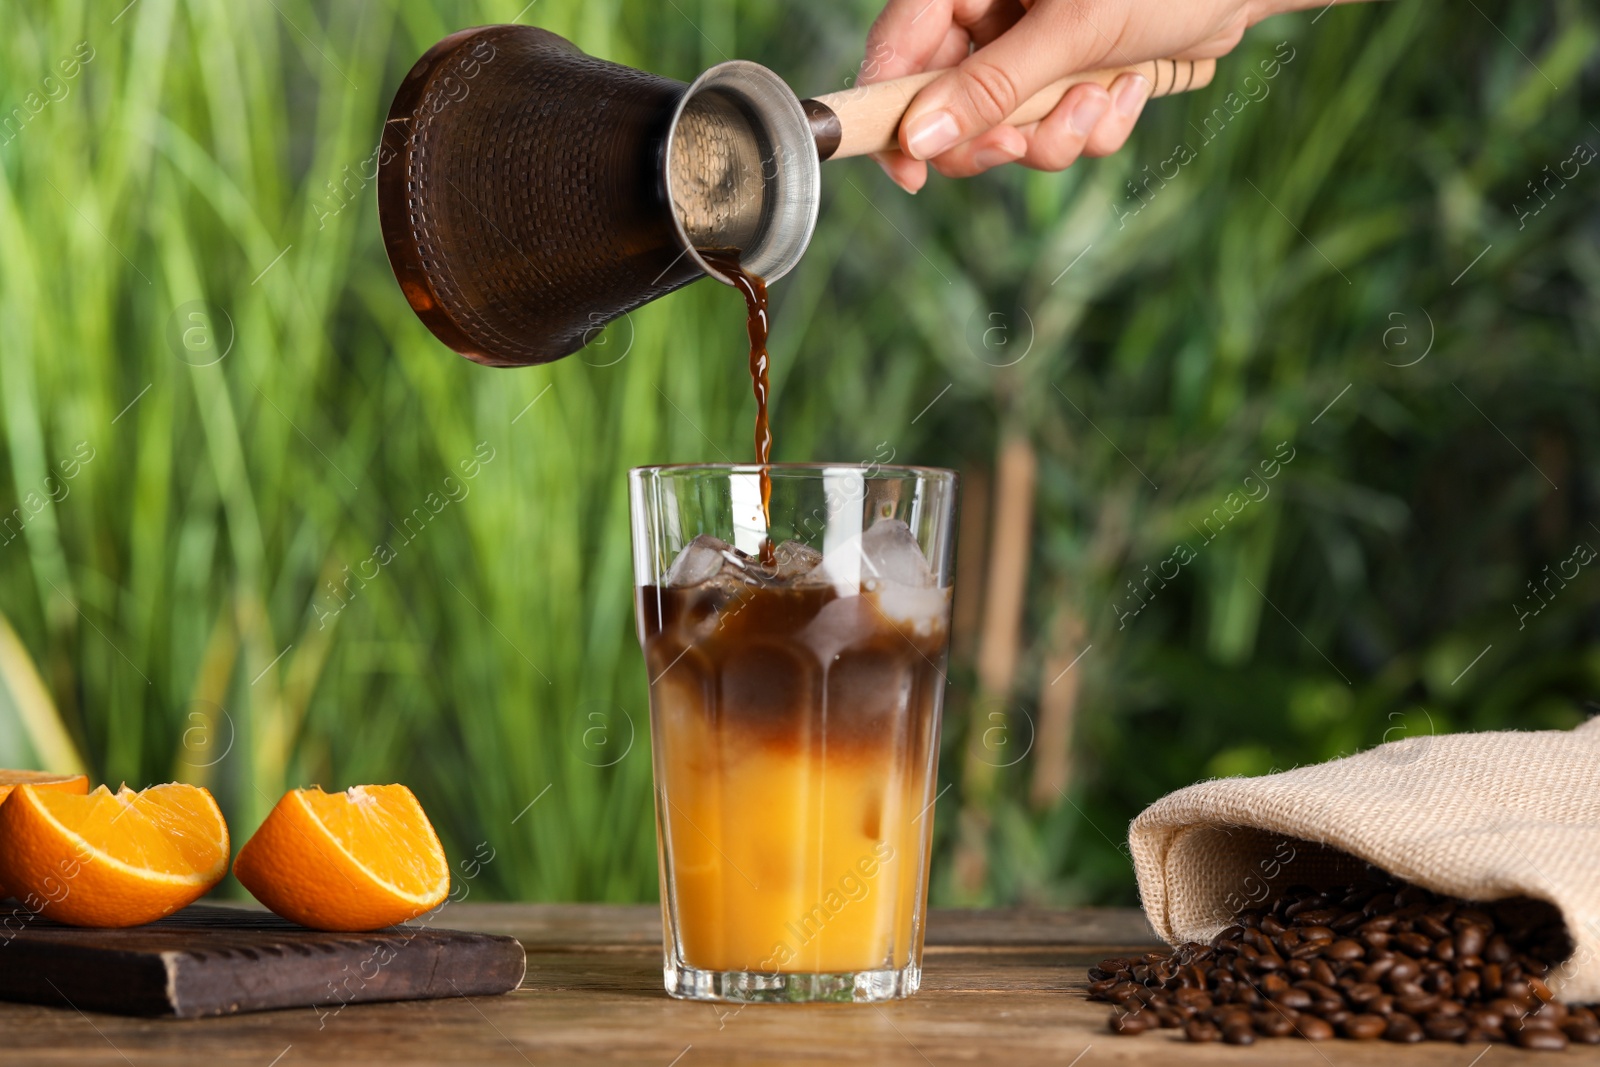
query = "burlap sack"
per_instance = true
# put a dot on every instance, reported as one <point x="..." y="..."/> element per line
<point x="1481" y="816"/>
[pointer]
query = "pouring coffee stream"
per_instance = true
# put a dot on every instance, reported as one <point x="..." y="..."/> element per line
<point x="757" y="325"/>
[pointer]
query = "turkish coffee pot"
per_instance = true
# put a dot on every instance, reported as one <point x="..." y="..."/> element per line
<point x="529" y="193"/>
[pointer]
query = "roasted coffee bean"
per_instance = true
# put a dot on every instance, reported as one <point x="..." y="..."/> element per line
<point x="1200" y="1030"/>
<point x="1239" y="1034"/>
<point x="1417" y="1003"/>
<point x="1364" y="993"/>
<point x="1404" y="970"/>
<point x="1312" y="1028"/>
<point x="1344" y="950"/>
<point x="1130" y="1022"/>
<point x="1298" y="999"/>
<point x="1227" y="940"/>
<point x="1484" y="1018"/>
<point x="1432" y="927"/>
<point x="1347" y="922"/>
<point x="1317" y="916"/>
<point x="1403" y="1028"/>
<point x="1542" y="1040"/>
<point x="1580" y="1032"/>
<point x="1375" y="970"/>
<point x="1276" y="1021"/>
<point x="1445" y="1027"/>
<point x="1519" y="991"/>
<point x="1365" y="1027"/>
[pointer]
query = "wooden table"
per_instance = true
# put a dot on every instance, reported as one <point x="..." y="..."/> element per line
<point x="998" y="986"/>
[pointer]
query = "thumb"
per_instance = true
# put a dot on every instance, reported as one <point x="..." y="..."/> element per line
<point x="990" y="84"/>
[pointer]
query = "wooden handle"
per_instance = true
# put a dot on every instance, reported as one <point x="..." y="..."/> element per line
<point x="855" y="122"/>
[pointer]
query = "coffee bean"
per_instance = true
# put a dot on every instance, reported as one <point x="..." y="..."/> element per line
<point x="1130" y="1022"/>
<point x="1344" y="950"/>
<point x="1239" y="1035"/>
<point x="1432" y="927"/>
<point x="1313" y="1029"/>
<point x="1543" y="1040"/>
<point x="1445" y="1027"/>
<point x="1276" y="1021"/>
<point x="1364" y="993"/>
<point x="1365" y="1027"/>
<point x="1200" y="1030"/>
<point x="1580" y="1032"/>
<point x="1470" y="940"/>
<point x="1417" y="1003"/>
<point x="1298" y="999"/>
<point x="1403" y="1028"/>
<point x="1404" y="969"/>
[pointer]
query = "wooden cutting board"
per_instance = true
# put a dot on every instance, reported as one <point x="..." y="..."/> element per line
<point x="208" y="960"/>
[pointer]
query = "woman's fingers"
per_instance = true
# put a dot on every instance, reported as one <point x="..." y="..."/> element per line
<point x="909" y="174"/>
<point x="1128" y="95"/>
<point x="1056" y="141"/>
<point x="984" y="89"/>
<point x="992" y="148"/>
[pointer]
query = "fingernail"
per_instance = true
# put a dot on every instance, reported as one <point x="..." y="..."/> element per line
<point x="1131" y="97"/>
<point x="994" y="156"/>
<point x="1082" y="119"/>
<point x="932" y="134"/>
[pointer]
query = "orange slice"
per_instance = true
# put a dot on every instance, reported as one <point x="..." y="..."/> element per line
<point x="358" y="860"/>
<point x="111" y="859"/>
<point x="66" y="783"/>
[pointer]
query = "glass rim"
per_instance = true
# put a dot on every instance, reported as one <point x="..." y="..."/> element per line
<point x="906" y="470"/>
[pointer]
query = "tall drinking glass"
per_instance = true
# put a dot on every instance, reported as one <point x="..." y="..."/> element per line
<point x="795" y="691"/>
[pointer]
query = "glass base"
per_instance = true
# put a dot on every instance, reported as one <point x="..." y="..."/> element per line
<point x="765" y="987"/>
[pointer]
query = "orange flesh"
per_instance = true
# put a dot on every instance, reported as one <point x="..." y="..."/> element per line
<point x="159" y="831"/>
<point x="378" y="827"/>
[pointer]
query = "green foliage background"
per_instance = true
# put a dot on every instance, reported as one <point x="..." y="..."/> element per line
<point x="178" y="603"/>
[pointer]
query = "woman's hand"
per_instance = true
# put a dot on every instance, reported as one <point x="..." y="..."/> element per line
<point x="1001" y="52"/>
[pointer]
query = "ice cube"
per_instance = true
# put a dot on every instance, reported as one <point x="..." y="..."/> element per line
<point x="796" y="561"/>
<point x="700" y="561"/>
<point x="921" y="610"/>
<point x="889" y="553"/>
